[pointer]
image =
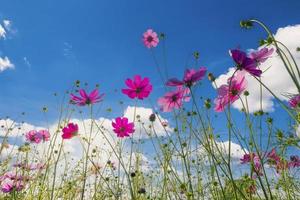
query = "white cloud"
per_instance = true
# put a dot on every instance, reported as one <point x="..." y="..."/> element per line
<point x="275" y="77"/>
<point x="11" y="128"/>
<point x="2" y="32"/>
<point x="7" y="24"/>
<point x="5" y="64"/>
<point x="6" y="28"/>
<point x="236" y="150"/>
<point x="26" y="61"/>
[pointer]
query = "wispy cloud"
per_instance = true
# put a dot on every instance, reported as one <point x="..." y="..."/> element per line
<point x="7" y="24"/>
<point x="2" y="32"/>
<point x="26" y="61"/>
<point x="5" y="64"/>
<point x="5" y="27"/>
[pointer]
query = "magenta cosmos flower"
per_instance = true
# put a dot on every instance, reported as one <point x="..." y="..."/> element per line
<point x="174" y="99"/>
<point x="261" y="55"/>
<point x="34" y="136"/>
<point x="191" y="77"/>
<point x="122" y="127"/>
<point x="11" y="181"/>
<point x="8" y="186"/>
<point x="252" y="158"/>
<point x="295" y="101"/>
<point x="244" y="62"/>
<point x="227" y="94"/>
<point x="275" y="160"/>
<point x="150" y="39"/>
<point x="273" y="157"/>
<point x="86" y="99"/>
<point x="69" y="131"/>
<point x="294" y="162"/>
<point x="138" y="87"/>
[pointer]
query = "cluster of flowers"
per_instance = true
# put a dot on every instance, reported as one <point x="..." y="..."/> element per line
<point x="140" y="88"/>
<point x="12" y="181"/>
<point x="230" y="92"/>
<point x="37" y="136"/>
<point x="175" y="99"/>
<point x="227" y="93"/>
<point x="273" y="159"/>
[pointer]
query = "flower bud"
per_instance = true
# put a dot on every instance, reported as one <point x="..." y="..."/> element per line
<point x="162" y="36"/>
<point x="211" y="77"/>
<point x="77" y="83"/>
<point x="152" y="117"/>
<point x="196" y="55"/>
<point x="247" y="24"/>
<point x="262" y="42"/>
<point x="142" y="191"/>
<point x="207" y="103"/>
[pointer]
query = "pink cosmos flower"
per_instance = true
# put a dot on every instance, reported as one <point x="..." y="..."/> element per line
<point x="122" y="128"/>
<point x="37" y="136"/>
<point x="252" y="157"/>
<point x="69" y="131"/>
<point x="281" y="165"/>
<point x="12" y="181"/>
<point x="174" y="99"/>
<point x="191" y="77"/>
<point x="273" y="157"/>
<point x="45" y="134"/>
<point x="243" y="62"/>
<point x="150" y="39"/>
<point x="227" y="94"/>
<point x="295" y="162"/>
<point x="261" y="55"/>
<point x="33" y="136"/>
<point x="138" y="87"/>
<point x="247" y="158"/>
<point x="295" y="101"/>
<point x="275" y="160"/>
<point x="8" y="186"/>
<point x="86" y="99"/>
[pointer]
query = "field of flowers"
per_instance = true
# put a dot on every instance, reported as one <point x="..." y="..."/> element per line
<point x="189" y="160"/>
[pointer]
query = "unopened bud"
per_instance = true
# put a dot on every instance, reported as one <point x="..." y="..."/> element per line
<point x="152" y="117"/>
<point x="246" y="24"/>
<point x="196" y="55"/>
<point x="211" y="77"/>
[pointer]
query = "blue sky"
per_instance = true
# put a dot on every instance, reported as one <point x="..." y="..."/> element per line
<point x="100" y="42"/>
